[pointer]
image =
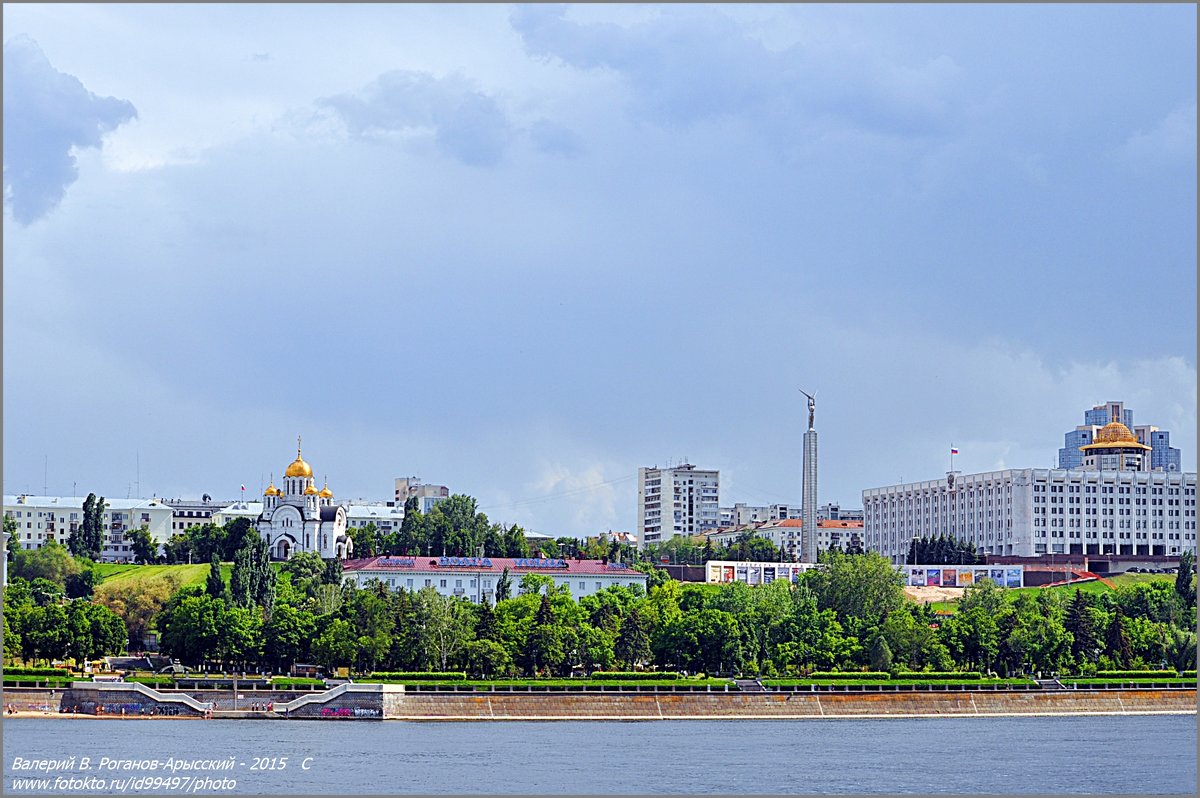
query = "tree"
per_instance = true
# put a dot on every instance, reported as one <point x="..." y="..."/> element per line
<point x="1116" y="642"/>
<point x="881" y="655"/>
<point x="335" y="645"/>
<point x="1185" y="586"/>
<point x="287" y="636"/>
<point x="252" y="582"/>
<point x="82" y="584"/>
<point x="367" y="540"/>
<point x="137" y="603"/>
<point x="145" y="550"/>
<point x="444" y="626"/>
<point x="190" y="629"/>
<point x="503" y="586"/>
<point x="866" y="587"/>
<point x="1080" y="622"/>
<point x="487" y="659"/>
<point x="177" y="549"/>
<point x="51" y="561"/>
<point x="544" y="646"/>
<point x="411" y="539"/>
<point x="215" y="584"/>
<point x="11" y="544"/>
<point x="633" y="642"/>
<point x="515" y="544"/>
<point x="93" y="528"/>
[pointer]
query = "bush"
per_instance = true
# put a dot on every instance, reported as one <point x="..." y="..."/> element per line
<point x="1187" y="674"/>
<point x="940" y="675"/>
<point x="36" y="672"/>
<point x="1136" y="674"/>
<point x="296" y="681"/>
<point x="873" y="676"/>
<point x="152" y="681"/>
<point x="635" y="676"/>
<point x="424" y="676"/>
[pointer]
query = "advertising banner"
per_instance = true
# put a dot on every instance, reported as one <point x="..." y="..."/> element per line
<point x="949" y="577"/>
<point x="916" y="577"/>
<point x="933" y="577"/>
<point x="1012" y="577"/>
<point x="980" y="575"/>
<point x="965" y="578"/>
<point x="997" y="575"/>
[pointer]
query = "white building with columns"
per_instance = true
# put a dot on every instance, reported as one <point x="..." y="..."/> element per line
<point x="298" y="517"/>
<point x="1035" y="511"/>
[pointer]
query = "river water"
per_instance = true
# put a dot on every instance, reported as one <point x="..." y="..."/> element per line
<point x="1102" y="754"/>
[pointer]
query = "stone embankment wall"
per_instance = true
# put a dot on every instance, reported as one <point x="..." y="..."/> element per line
<point x="371" y="702"/>
<point x="665" y="706"/>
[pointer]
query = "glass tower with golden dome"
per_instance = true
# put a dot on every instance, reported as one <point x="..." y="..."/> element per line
<point x="297" y="517"/>
<point x="1159" y="456"/>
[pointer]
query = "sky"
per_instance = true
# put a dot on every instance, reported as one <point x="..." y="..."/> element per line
<point x="522" y="251"/>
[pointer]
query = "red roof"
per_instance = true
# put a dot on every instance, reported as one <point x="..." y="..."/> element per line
<point x="515" y="565"/>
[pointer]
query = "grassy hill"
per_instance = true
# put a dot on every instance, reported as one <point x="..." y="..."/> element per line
<point x="188" y="574"/>
<point x="1094" y="586"/>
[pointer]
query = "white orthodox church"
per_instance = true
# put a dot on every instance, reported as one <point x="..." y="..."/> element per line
<point x="301" y="518"/>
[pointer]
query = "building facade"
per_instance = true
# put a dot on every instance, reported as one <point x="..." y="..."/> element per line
<point x="1032" y="511"/>
<point x="44" y="518"/>
<point x="788" y="534"/>
<point x="741" y="513"/>
<point x="298" y="517"/>
<point x="683" y="500"/>
<point x="387" y="518"/>
<point x="190" y="513"/>
<point x="428" y="496"/>
<point x="1162" y="456"/>
<point x="475" y="578"/>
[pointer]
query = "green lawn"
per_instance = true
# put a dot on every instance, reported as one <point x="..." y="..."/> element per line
<point x="188" y="574"/>
<point x="1093" y="586"/>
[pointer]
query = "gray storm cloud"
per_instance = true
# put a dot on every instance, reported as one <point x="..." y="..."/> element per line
<point x="48" y="114"/>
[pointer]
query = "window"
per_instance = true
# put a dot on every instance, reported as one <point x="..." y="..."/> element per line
<point x="443" y="583"/>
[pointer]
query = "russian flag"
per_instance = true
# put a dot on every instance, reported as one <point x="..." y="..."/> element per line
<point x="953" y="450"/>
<point x="243" y="487"/>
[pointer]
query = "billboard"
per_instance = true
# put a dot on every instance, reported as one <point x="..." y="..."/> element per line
<point x="916" y="577"/>
<point x="933" y="577"/>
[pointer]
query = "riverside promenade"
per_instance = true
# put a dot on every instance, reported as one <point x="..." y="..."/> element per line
<point x="393" y="702"/>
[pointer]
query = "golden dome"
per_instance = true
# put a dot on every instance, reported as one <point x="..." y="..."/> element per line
<point x="271" y="490"/>
<point x="326" y="493"/>
<point x="310" y="491"/>
<point x="1115" y="435"/>
<point x="298" y="468"/>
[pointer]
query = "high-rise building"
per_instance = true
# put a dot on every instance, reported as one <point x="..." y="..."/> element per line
<point x="1161" y="455"/>
<point x="682" y="500"/>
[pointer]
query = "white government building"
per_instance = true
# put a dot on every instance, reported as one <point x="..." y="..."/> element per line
<point x="1114" y="504"/>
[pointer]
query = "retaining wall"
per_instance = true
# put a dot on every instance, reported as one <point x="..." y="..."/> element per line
<point x="666" y="706"/>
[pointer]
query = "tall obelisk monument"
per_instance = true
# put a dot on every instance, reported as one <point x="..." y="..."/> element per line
<point x="808" y="494"/>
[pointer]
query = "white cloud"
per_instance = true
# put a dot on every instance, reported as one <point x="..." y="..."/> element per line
<point x="1168" y="144"/>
